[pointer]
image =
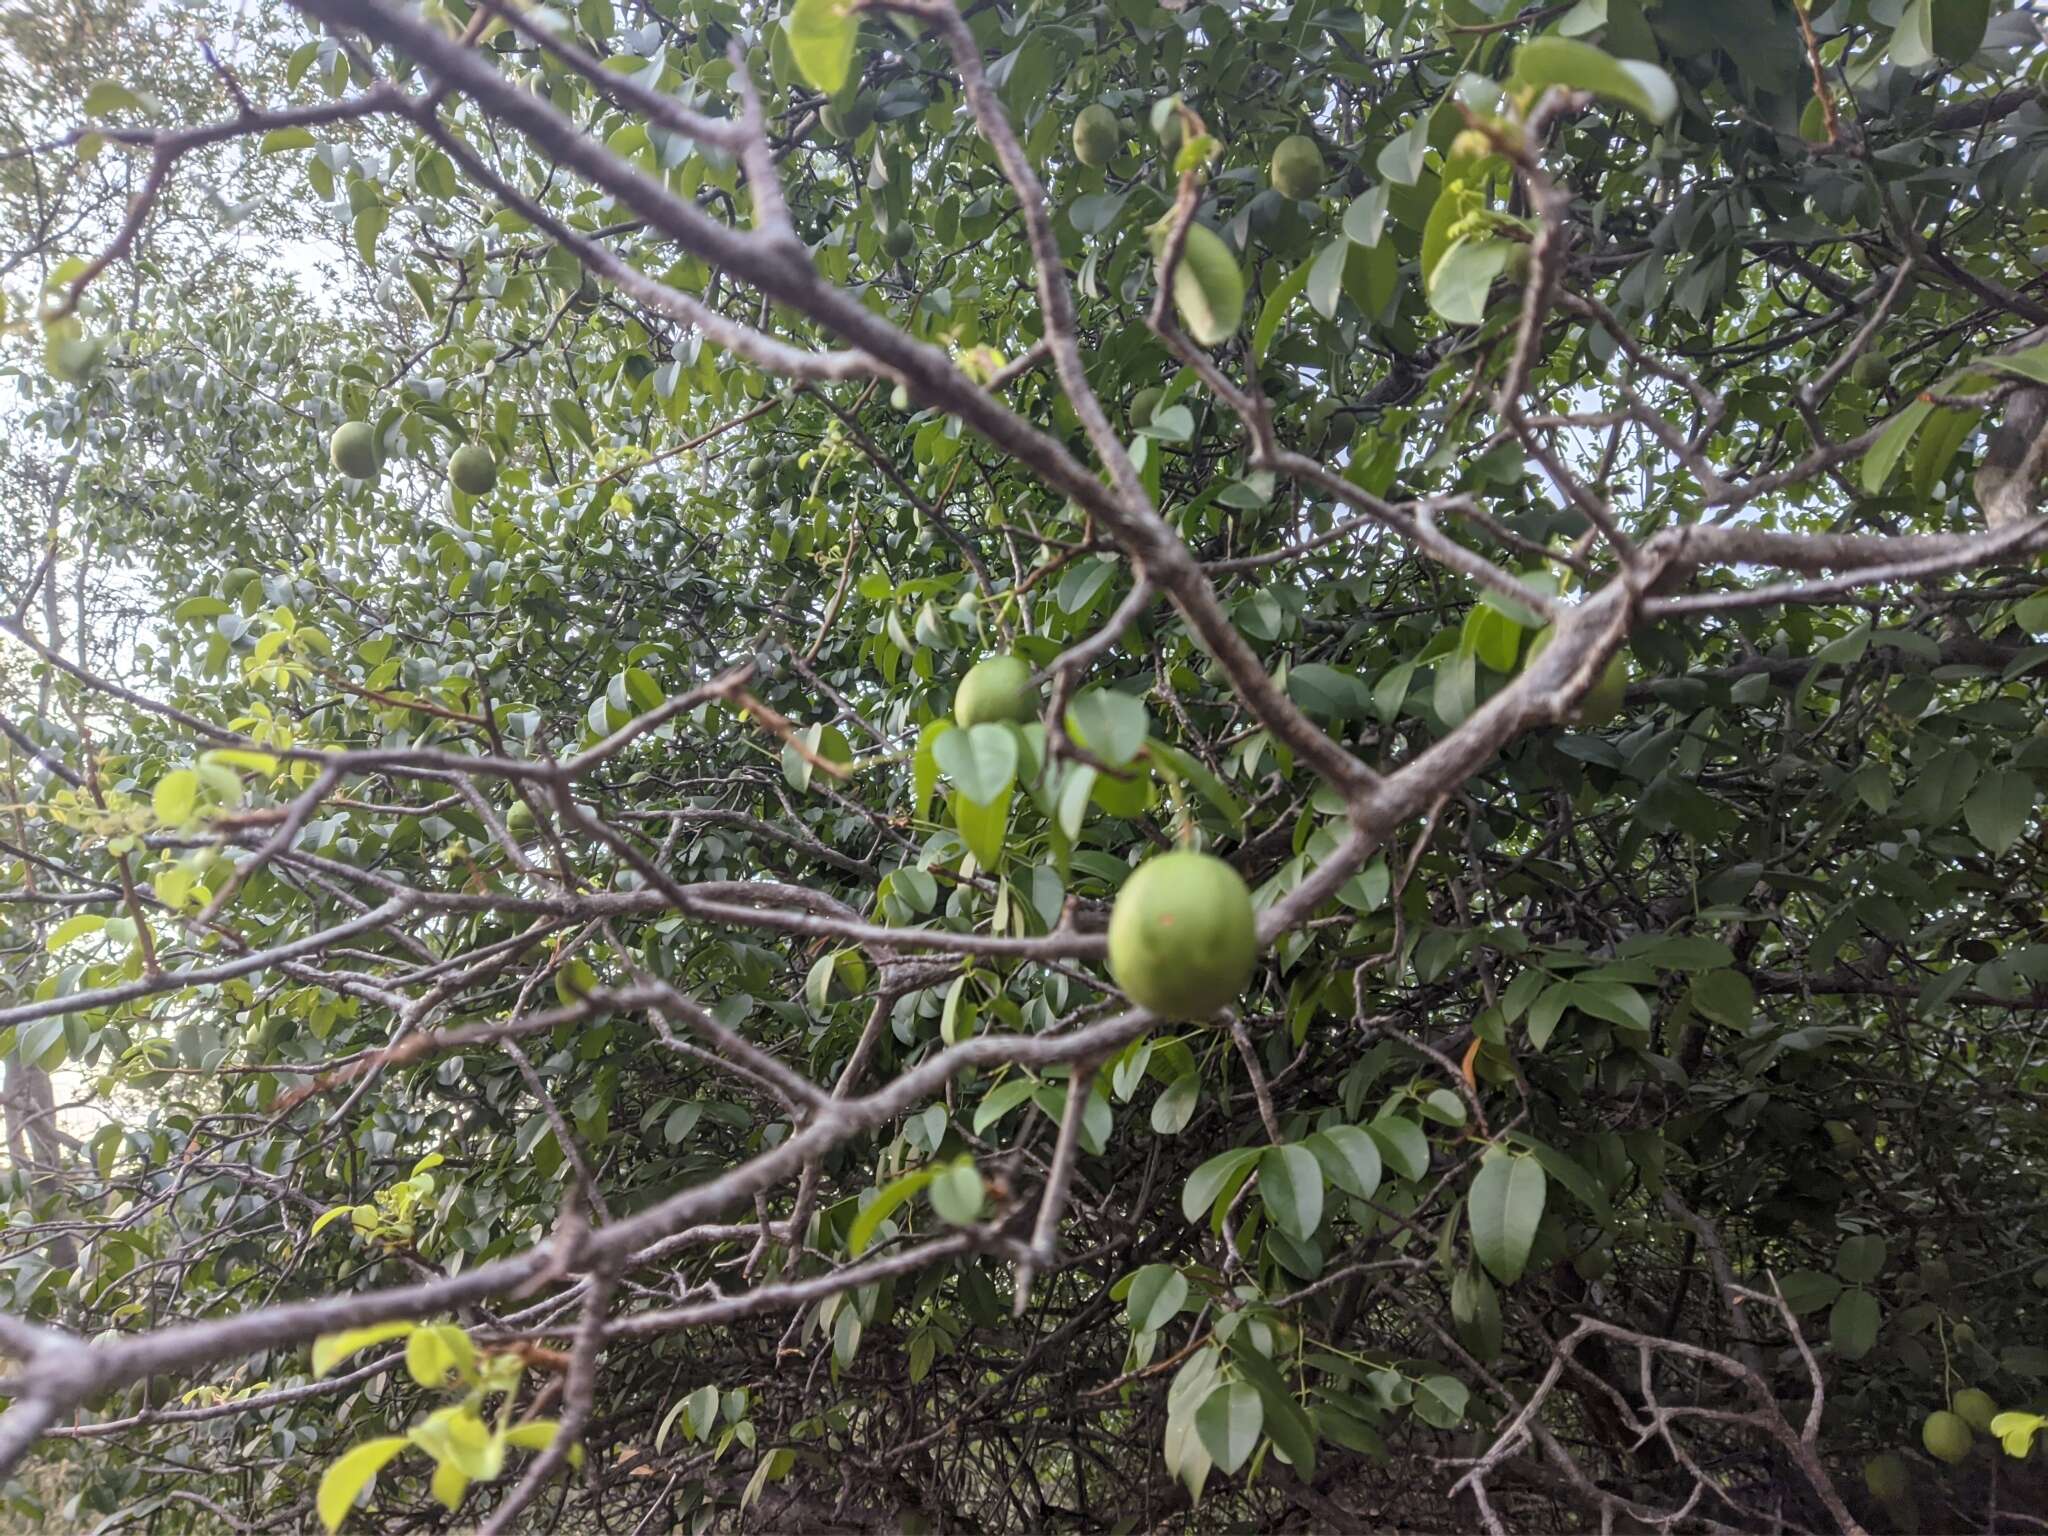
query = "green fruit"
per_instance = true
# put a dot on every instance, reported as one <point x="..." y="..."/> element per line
<point x="1963" y="1336"/>
<point x="519" y="820"/>
<point x="1143" y="404"/>
<point x="2039" y="1278"/>
<point x="1208" y="288"/>
<point x="1182" y="936"/>
<point x="1934" y="1278"/>
<point x="1871" y="369"/>
<point x="900" y="241"/>
<point x="1297" y="168"/>
<point x="1096" y="135"/>
<point x="1594" y="1263"/>
<point x="1973" y="1405"/>
<point x="584" y="299"/>
<point x="760" y="467"/>
<point x="998" y="688"/>
<point x="474" y="469"/>
<point x="1886" y="1477"/>
<point x="236" y="580"/>
<point x="1946" y="1436"/>
<point x="353" y="448"/>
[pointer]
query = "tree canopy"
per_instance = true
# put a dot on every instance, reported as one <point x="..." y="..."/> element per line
<point x="529" y="1003"/>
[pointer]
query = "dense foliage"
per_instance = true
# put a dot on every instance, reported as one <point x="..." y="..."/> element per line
<point x="528" y="1008"/>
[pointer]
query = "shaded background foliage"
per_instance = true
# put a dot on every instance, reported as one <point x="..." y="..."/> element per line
<point x="1742" y="987"/>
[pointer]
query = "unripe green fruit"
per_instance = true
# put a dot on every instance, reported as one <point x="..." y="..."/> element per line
<point x="1946" y="1436"/>
<point x="1886" y="1477"/>
<point x="760" y="467"/>
<point x="1143" y="405"/>
<point x="236" y="579"/>
<point x="1096" y="135"/>
<point x="1182" y="936"/>
<point x="900" y="241"/>
<point x="1963" y="1336"/>
<point x="1974" y="1406"/>
<point x="474" y="470"/>
<point x="519" y="820"/>
<point x="1297" y="169"/>
<point x="1871" y="369"/>
<point x="584" y="299"/>
<point x="353" y="448"/>
<point x="2039" y="1278"/>
<point x="1208" y="288"/>
<point x="996" y="689"/>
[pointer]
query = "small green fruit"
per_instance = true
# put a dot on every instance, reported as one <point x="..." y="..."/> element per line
<point x="236" y="580"/>
<point x="584" y="300"/>
<point x="353" y="448"/>
<point x="1297" y="169"/>
<point x="900" y="241"/>
<point x="996" y="689"/>
<point x="474" y="469"/>
<point x="1182" y="936"/>
<point x="1973" y="1405"/>
<point x="1143" y="404"/>
<point x="519" y="820"/>
<point x="1208" y="287"/>
<point x="760" y="467"/>
<point x="1096" y="135"/>
<point x="1871" y="369"/>
<point x="2039" y="1278"/>
<point x="1886" y="1477"/>
<point x="1946" y="1436"/>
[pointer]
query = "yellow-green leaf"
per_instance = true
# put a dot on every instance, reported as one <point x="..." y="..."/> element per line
<point x="821" y="34"/>
<point x="349" y="1474"/>
<point x="176" y="797"/>
<point x="332" y="1348"/>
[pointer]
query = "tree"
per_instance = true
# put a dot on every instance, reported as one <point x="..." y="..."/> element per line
<point x="556" y="1023"/>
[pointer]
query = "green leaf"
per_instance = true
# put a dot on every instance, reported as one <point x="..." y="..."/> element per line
<point x="956" y="1193"/>
<point x="1274" y="310"/>
<point x="106" y="97"/>
<point x="1577" y="66"/>
<point x="539" y="1434"/>
<point x="1999" y="809"/>
<point x="1111" y="725"/>
<point x="1403" y="1145"/>
<point x="1852" y="1325"/>
<point x="821" y="37"/>
<point x="175" y="797"/>
<point x="1207" y="1182"/>
<point x="981" y="761"/>
<point x="1505" y="1208"/>
<point x="73" y="928"/>
<point x="1291" y="1186"/>
<point x="349" y="1474"/>
<point x="1725" y="996"/>
<point x="1460" y="283"/>
<point x="278" y="140"/>
<point x="1860" y="1259"/>
<point x="1229" y="1422"/>
<point x="1000" y="1100"/>
<point x="1155" y="1297"/>
<point x="983" y="827"/>
<point x="883" y="1206"/>
<point x="330" y="1349"/>
<point x="1891" y="445"/>
<point x="1350" y="1159"/>
<point x="1440" y="1401"/>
